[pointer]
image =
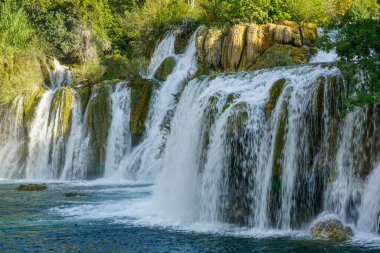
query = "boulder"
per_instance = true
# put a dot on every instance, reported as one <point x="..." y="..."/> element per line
<point x="32" y="187"/>
<point x="213" y="48"/>
<point x="329" y="227"/>
<point x="296" y="38"/>
<point x="282" y="34"/>
<point x="233" y="46"/>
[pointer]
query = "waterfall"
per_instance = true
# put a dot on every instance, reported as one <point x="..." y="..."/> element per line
<point x="119" y="137"/>
<point x="269" y="149"/>
<point x="143" y="162"/>
<point x="12" y="140"/>
<point x="60" y="75"/>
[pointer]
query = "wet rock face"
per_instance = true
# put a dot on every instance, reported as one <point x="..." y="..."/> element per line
<point x="331" y="228"/>
<point x="165" y="69"/>
<point x="240" y="47"/>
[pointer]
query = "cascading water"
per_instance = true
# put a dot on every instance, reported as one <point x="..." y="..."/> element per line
<point x="263" y="149"/>
<point x="119" y="137"/>
<point x="142" y="163"/>
<point x="234" y="157"/>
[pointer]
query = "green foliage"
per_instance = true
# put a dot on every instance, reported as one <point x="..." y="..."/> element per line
<point x="236" y="11"/>
<point x="15" y="30"/>
<point x="120" y="67"/>
<point x="358" y="46"/>
<point x="90" y="72"/>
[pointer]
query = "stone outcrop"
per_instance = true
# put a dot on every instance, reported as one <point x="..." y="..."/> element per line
<point x="233" y="46"/>
<point x="241" y="46"/>
<point x="329" y="227"/>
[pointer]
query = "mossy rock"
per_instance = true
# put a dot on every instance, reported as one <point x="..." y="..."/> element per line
<point x="84" y="97"/>
<point x="309" y="33"/>
<point x="64" y="100"/>
<point x="141" y="93"/>
<point x="29" y="105"/>
<point x="331" y="229"/>
<point x="237" y="121"/>
<point x="274" y="94"/>
<point x="98" y="119"/>
<point x="32" y="187"/>
<point x="282" y="55"/>
<point x="181" y="41"/>
<point x="75" y="195"/>
<point x="165" y="69"/>
<point x="279" y="145"/>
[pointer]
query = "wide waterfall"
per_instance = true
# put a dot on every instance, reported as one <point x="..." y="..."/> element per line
<point x="268" y="149"/>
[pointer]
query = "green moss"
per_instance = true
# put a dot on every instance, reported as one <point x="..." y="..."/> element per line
<point x="84" y="96"/>
<point x="98" y="119"/>
<point x="64" y="100"/>
<point x="282" y="55"/>
<point x="141" y="93"/>
<point x="237" y="121"/>
<point x="165" y="69"/>
<point x="32" y="187"/>
<point x="309" y="32"/>
<point x="29" y="105"/>
<point x="274" y="94"/>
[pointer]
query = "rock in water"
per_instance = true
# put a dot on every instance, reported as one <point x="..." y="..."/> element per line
<point x="329" y="227"/>
<point x="32" y="187"/>
<point x="74" y="194"/>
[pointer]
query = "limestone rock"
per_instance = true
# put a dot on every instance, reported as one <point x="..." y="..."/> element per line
<point x="233" y="46"/>
<point x="213" y="48"/>
<point x="255" y="37"/>
<point x="199" y="43"/>
<point x="282" y="34"/>
<point x="331" y="228"/>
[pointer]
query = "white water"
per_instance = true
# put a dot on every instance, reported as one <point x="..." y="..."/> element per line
<point x="12" y="140"/>
<point x="119" y="137"/>
<point x="142" y="163"/>
<point x="60" y="75"/>
<point x="217" y="162"/>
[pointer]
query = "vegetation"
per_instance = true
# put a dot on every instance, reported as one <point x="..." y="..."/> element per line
<point x="112" y="39"/>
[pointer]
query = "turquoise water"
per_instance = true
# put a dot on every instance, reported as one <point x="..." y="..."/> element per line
<point x="116" y="218"/>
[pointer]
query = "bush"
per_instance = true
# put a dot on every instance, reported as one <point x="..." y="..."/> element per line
<point x="90" y="72"/>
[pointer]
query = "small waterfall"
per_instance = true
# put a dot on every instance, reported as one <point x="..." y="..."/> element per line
<point x="40" y="135"/>
<point x="12" y="140"/>
<point x="77" y="148"/>
<point x="60" y="75"/>
<point x="163" y="50"/>
<point x="142" y="162"/>
<point x="119" y="137"/>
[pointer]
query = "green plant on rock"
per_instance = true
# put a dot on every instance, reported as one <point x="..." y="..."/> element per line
<point x="90" y="72"/>
<point x="141" y="94"/>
